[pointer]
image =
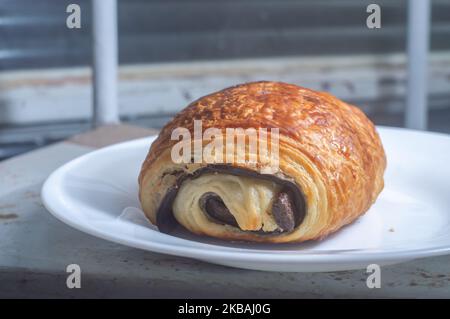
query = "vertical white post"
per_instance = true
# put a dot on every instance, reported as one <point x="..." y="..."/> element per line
<point x="416" y="116"/>
<point x="105" y="62"/>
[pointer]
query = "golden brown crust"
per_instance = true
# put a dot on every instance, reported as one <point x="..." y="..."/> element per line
<point x="328" y="147"/>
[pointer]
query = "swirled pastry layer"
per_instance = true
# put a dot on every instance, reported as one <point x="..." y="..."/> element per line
<point x="242" y="202"/>
<point x="331" y="165"/>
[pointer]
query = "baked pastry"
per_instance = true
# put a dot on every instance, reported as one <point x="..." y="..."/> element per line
<point x="330" y="165"/>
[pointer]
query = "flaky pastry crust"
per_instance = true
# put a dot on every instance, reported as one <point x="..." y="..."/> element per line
<point x="328" y="148"/>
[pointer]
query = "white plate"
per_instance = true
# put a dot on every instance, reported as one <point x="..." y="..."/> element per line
<point x="97" y="193"/>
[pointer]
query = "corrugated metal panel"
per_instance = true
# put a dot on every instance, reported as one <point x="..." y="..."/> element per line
<point x="34" y="34"/>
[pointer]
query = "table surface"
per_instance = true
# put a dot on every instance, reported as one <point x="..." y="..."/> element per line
<point x="35" y="249"/>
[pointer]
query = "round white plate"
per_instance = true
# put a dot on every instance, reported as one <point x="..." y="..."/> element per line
<point x="98" y="193"/>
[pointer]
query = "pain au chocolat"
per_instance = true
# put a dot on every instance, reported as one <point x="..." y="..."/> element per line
<point x="329" y="168"/>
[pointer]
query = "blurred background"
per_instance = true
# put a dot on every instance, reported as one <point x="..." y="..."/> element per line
<point x="171" y="52"/>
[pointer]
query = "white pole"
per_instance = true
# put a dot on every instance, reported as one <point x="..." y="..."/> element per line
<point x="106" y="109"/>
<point x="416" y="116"/>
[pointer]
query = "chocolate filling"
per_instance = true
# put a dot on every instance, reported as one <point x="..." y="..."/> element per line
<point x="213" y="206"/>
<point x="288" y="209"/>
<point x="283" y="213"/>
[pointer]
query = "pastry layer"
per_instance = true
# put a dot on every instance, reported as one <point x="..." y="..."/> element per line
<point x="257" y="202"/>
<point x="249" y="200"/>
